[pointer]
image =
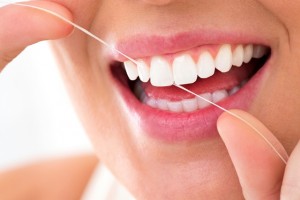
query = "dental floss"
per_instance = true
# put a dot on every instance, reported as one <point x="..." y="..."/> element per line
<point x="240" y="118"/>
<point x="178" y="86"/>
<point x="79" y="28"/>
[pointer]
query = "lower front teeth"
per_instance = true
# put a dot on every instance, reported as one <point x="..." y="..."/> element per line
<point x="219" y="95"/>
<point x="185" y="105"/>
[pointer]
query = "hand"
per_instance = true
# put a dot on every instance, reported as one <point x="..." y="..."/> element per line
<point x="262" y="174"/>
<point x="23" y="26"/>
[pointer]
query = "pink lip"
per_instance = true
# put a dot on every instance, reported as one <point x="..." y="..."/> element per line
<point x="176" y="127"/>
<point x="141" y="45"/>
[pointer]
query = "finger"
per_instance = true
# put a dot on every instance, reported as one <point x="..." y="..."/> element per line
<point x="23" y="26"/>
<point x="290" y="189"/>
<point x="259" y="169"/>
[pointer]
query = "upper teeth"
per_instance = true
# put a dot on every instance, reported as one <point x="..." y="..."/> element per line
<point x="184" y="69"/>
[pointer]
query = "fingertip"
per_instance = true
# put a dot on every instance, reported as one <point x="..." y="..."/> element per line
<point x="227" y="123"/>
<point x="54" y="27"/>
<point x="227" y="116"/>
<point x="38" y="20"/>
<point x="240" y="122"/>
<point x="222" y="121"/>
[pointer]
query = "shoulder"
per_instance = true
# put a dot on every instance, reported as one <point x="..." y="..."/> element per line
<point x="63" y="178"/>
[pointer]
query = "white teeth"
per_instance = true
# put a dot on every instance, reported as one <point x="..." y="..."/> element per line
<point x="248" y="53"/>
<point x="162" y="104"/>
<point x="234" y="90"/>
<point x="202" y="103"/>
<point x="143" y="71"/>
<point x="161" y="72"/>
<point x="190" y="105"/>
<point x="184" y="70"/>
<point x="185" y="105"/>
<point x="238" y="56"/>
<point x="175" y="106"/>
<point x="206" y="65"/>
<point x="259" y="51"/>
<point x="131" y="70"/>
<point x="150" y="102"/>
<point x="219" y="95"/>
<point x="223" y="60"/>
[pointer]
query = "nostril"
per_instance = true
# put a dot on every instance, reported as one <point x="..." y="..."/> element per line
<point x="158" y="2"/>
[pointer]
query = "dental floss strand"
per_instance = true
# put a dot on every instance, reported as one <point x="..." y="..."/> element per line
<point x="78" y="27"/>
<point x="134" y="61"/>
<point x="240" y="118"/>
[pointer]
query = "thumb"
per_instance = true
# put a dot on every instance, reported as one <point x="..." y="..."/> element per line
<point x="260" y="170"/>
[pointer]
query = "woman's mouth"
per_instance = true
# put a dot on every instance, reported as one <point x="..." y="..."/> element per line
<point x="226" y="74"/>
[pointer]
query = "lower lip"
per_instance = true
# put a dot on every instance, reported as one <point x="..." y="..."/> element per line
<point x="186" y="127"/>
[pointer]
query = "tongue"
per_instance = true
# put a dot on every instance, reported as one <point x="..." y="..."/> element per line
<point x="218" y="81"/>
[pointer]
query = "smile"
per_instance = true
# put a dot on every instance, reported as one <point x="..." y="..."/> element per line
<point x="227" y="74"/>
<point x="185" y="68"/>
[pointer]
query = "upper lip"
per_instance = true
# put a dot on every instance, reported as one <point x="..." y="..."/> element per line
<point x="142" y="45"/>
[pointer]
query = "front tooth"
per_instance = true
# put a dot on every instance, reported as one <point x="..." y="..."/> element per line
<point x="206" y="65"/>
<point x="131" y="70"/>
<point x="162" y="104"/>
<point x="161" y="72"/>
<point x="143" y="71"/>
<point x="248" y="53"/>
<point x="150" y="102"/>
<point x="219" y="95"/>
<point x="223" y="60"/>
<point x="184" y="70"/>
<point x="202" y="103"/>
<point x="175" y="106"/>
<point x="238" y="56"/>
<point x="234" y="90"/>
<point x="259" y="51"/>
<point x="190" y="105"/>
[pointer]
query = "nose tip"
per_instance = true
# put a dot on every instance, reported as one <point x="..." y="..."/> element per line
<point x="158" y="2"/>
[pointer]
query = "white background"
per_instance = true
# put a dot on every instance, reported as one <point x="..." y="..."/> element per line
<point x="37" y="120"/>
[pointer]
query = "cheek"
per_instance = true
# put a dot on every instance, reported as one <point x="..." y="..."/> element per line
<point x="90" y="92"/>
<point x="278" y="101"/>
<point x="288" y="14"/>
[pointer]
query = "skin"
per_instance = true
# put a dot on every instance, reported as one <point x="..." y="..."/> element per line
<point x="66" y="177"/>
<point x="210" y="169"/>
